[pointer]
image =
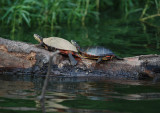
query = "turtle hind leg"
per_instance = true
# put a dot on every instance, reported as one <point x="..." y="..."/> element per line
<point x="72" y="59"/>
<point x="99" y="59"/>
<point x="118" y="58"/>
<point x="38" y="45"/>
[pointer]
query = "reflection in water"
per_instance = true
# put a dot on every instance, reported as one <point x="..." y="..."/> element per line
<point x="103" y="90"/>
<point x="141" y="96"/>
<point x="19" y="108"/>
<point x="14" y="89"/>
<point x="81" y="94"/>
<point x="16" y="94"/>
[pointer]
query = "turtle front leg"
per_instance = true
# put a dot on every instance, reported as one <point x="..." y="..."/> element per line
<point x="72" y="59"/>
<point x="40" y="45"/>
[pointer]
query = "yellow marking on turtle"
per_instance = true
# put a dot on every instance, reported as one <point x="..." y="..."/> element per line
<point x="104" y="58"/>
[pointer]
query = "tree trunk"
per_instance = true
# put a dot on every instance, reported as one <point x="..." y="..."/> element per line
<point x="29" y="59"/>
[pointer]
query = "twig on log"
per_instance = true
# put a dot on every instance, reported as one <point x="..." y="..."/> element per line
<point x="42" y="97"/>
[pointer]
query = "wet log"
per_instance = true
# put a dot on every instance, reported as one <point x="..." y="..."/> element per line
<point x="29" y="59"/>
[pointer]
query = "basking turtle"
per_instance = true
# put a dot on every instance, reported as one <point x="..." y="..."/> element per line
<point x="95" y="52"/>
<point x="56" y="43"/>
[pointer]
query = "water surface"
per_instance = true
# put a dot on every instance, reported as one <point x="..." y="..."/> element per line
<point x="63" y="95"/>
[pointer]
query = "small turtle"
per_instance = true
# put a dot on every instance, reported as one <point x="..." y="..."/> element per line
<point x="95" y="52"/>
<point x="56" y="43"/>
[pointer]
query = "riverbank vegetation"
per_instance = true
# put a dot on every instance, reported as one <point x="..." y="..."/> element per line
<point x="50" y="14"/>
<point x="97" y="22"/>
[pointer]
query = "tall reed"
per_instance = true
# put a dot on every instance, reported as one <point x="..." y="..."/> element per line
<point x="51" y="14"/>
<point x="16" y="13"/>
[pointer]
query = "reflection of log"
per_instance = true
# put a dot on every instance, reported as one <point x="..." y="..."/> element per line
<point x="22" y="58"/>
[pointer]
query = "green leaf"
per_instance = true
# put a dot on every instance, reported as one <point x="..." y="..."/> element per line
<point x="8" y="11"/>
<point x="27" y="20"/>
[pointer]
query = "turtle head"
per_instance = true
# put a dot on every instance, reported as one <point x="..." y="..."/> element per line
<point x="75" y="44"/>
<point x="38" y="38"/>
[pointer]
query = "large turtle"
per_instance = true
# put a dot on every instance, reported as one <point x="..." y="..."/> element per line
<point x="56" y="43"/>
<point x="95" y="52"/>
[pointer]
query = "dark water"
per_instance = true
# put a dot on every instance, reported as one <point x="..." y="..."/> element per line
<point x="20" y="94"/>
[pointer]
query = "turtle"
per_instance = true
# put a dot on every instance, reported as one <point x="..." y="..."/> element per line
<point x="56" y="43"/>
<point x="95" y="52"/>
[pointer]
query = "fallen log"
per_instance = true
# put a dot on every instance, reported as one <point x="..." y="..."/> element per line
<point x="29" y="59"/>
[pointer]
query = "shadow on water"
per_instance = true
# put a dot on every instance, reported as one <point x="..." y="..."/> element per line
<point x="96" y="95"/>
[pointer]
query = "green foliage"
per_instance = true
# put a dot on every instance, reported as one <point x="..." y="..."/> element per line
<point x="46" y="13"/>
<point x="51" y="14"/>
<point x="129" y="7"/>
<point x="16" y="13"/>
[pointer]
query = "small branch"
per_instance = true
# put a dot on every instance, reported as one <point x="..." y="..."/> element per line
<point x="42" y="97"/>
<point x="149" y="17"/>
<point x="145" y="9"/>
<point x="85" y="12"/>
<point x="152" y="25"/>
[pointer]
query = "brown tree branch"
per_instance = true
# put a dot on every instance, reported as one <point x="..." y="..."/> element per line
<point x="23" y="58"/>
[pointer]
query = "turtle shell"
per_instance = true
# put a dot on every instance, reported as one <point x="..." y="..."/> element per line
<point x="59" y="43"/>
<point x="97" y="51"/>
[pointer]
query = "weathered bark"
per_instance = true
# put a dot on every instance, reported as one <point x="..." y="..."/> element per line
<point x="23" y="58"/>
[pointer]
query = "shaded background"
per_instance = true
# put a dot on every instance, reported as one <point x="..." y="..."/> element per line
<point x="127" y="27"/>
